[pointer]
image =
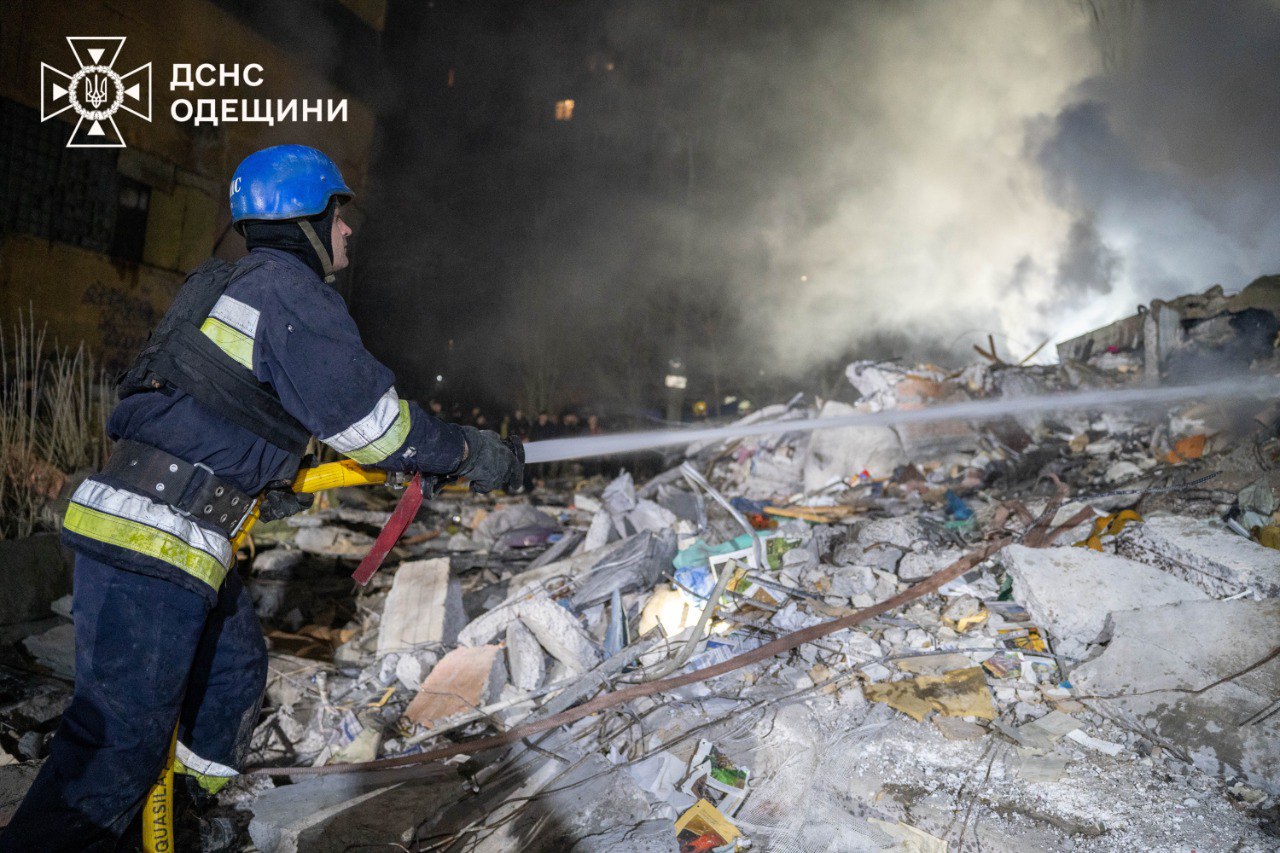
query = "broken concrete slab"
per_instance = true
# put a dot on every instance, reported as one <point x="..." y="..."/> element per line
<point x="533" y="581"/>
<point x="333" y="542"/>
<point x="651" y="836"/>
<point x="933" y="664"/>
<point x="560" y="633"/>
<point x="1041" y="734"/>
<point x="649" y="515"/>
<point x="955" y="728"/>
<point x="561" y="548"/>
<point x="410" y="667"/>
<point x="423" y="608"/>
<point x="463" y="680"/>
<point x="916" y="566"/>
<point x="1070" y="591"/>
<point x="570" y="805"/>
<point x="62" y="606"/>
<point x="838" y="454"/>
<point x="55" y="649"/>
<point x="635" y="564"/>
<point x="508" y="518"/>
<point x="600" y="532"/>
<point x="30" y="701"/>
<point x="684" y="505"/>
<point x="277" y="561"/>
<point x="525" y="658"/>
<point x="898" y="531"/>
<point x="15" y="779"/>
<point x="1205" y="553"/>
<point x="1200" y="678"/>
<point x="489" y="625"/>
<point x="931" y="440"/>
<point x="619" y="497"/>
<point x="336" y="813"/>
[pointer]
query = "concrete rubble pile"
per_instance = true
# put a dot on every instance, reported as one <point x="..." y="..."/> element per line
<point x="1106" y="678"/>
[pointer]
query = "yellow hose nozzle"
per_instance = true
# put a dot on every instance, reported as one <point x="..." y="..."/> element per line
<point x="335" y="475"/>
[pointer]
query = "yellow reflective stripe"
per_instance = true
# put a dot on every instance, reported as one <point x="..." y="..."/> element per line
<point x="145" y="539"/>
<point x="369" y="428"/>
<point x="383" y="446"/>
<point x="211" y="784"/>
<point x="210" y="775"/>
<point x="233" y="342"/>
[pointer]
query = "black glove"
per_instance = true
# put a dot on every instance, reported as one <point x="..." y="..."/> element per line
<point x="279" y="500"/>
<point x="490" y="463"/>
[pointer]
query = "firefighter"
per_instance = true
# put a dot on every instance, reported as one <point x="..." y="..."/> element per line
<point x="252" y="360"/>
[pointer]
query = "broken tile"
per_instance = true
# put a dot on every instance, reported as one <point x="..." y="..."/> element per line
<point x="465" y="679"/>
<point x="1097" y="745"/>
<point x="1040" y="768"/>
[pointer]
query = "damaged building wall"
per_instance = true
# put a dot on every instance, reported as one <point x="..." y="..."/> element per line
<point x="109" y="234"/>
<point x="1191" y="338"/>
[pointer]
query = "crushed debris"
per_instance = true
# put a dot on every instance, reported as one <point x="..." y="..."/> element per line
<point x="990" y="685"/>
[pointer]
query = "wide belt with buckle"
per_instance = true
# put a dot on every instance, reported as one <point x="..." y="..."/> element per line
<point x="193" y="490"/>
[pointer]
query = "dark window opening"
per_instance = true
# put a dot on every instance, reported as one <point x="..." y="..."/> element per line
<point x="72" y="195"/>
<point x="131" y="220"/>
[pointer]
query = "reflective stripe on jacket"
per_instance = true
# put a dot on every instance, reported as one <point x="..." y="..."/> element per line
<point x="129" y="520"/>
<point x="282" y="322"/>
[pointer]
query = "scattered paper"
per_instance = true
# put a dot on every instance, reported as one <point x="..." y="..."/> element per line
<point x="1027" y="639"/>
<point x="715" y="778"/>
<point x="960" y="693"/>
<point x="704" y="828"/>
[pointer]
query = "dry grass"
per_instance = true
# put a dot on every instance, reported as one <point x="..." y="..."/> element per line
<point x="54" y="403"/>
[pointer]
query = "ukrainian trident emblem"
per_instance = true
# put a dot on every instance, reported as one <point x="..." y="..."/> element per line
<point x="96" y="92"/>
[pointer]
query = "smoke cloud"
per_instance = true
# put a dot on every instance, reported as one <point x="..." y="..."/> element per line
<point x="763" y="188"/>
<point x="1171" y="151"/>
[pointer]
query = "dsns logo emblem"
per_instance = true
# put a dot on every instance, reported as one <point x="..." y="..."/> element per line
<point x="96" y="92"/>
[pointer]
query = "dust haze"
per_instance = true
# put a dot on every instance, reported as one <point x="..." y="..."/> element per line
<point x="766" y="189"/>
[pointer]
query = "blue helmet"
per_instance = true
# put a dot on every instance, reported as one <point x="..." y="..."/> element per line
<point x="285" y="182"/>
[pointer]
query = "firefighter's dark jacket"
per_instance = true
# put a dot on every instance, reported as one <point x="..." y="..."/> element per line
<point x="281" y="321"/>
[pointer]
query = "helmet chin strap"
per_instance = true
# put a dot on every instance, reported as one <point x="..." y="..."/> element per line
<point x="326" y="263"/>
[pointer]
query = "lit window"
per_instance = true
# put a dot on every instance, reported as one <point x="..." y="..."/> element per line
<point x="564" y="110"/>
